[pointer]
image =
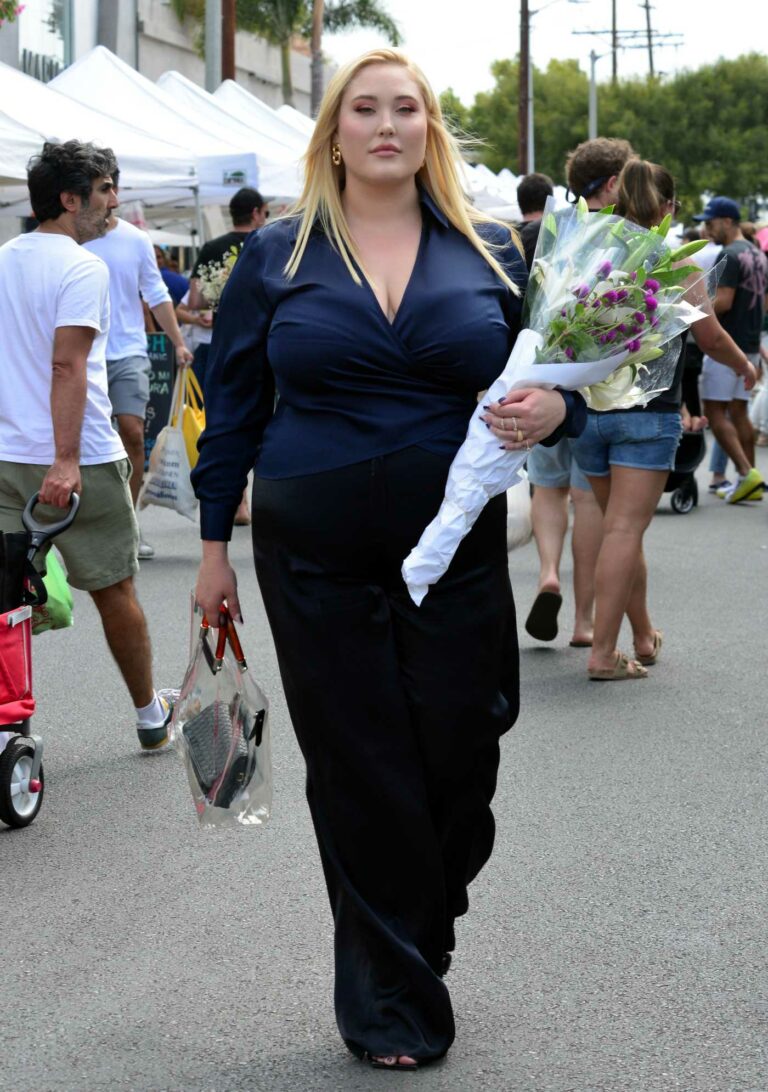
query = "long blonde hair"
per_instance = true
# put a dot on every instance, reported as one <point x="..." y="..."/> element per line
<point x="320" y="199"/>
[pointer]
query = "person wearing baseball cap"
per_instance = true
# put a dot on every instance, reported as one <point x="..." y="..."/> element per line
<point x="740" y="306"/>
<point x="719" y="208"/>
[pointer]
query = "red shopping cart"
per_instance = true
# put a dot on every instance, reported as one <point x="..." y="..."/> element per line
<point x="22" y="782"/>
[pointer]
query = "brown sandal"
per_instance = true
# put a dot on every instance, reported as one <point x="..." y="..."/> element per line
<point x="652" y="657"/>
<point x="622" y="670"/>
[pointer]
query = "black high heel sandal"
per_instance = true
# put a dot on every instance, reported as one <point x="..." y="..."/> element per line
<point x="389" y="1061"/>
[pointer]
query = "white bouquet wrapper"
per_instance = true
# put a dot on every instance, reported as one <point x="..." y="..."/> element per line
<point x="481" y="470"/>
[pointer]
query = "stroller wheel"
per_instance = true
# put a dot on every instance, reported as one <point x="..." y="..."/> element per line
<point x="19" y="804"/>
<point x="682" y="501"/>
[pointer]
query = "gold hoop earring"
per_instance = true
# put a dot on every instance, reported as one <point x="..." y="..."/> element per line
<point x="336" y="155"/>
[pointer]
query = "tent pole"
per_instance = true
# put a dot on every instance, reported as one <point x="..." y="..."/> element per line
<point x="198" y="221"/>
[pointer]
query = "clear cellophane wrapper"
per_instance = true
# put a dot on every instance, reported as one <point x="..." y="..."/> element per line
<point x="220" y="729"/>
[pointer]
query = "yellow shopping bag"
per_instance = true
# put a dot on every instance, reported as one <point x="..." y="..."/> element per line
<point x="192" y="415"/>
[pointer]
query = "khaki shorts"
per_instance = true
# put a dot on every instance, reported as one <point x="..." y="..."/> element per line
<point x="101" y="547"/>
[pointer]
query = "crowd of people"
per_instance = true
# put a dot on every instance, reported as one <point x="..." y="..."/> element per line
<point x="376" y="311"/>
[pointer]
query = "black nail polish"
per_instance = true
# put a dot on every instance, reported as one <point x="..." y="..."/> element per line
<point x="486" y="424"/>
<point x="502" y="401"/>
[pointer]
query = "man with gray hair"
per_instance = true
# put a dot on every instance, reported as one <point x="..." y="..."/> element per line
<point x="56" y="434"/>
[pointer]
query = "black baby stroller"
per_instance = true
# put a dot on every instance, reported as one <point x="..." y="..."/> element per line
<point x="22" y="783"/>
<point x="681" y="481"/>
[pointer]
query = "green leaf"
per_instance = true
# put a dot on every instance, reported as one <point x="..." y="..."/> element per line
<point x="688" y="249"/>
<point x="550" y="224"/>
<point x="664" y="226"/>
<point x="607" y="211"/>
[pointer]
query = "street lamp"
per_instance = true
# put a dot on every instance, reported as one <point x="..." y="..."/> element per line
<point x="593" y="59"/>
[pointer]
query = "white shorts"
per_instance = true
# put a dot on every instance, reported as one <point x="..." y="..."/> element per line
<point x="719" y="383"/>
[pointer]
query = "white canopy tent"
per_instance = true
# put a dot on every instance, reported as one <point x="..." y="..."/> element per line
<point x="295" y="118"/>
<point x="145" y="163"/>
<point x="221" y="166"/>
<point x="252" y="111"/>
<point x="17" y="145"/>
<point x="276" y="145"/>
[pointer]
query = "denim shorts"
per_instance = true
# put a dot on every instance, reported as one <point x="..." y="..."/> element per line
<point x="645" y="441"/>
<point x="555" y="467"/>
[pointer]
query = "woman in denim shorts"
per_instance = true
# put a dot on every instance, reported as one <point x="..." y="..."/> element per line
<point x="627" y="455"/>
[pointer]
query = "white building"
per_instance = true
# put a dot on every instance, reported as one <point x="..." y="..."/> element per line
<point x="51" y="34"/>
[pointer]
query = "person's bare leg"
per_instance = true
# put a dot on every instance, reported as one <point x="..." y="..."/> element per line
<point x="726" y="435"/>
<point x="586" y="538"/>
<point x="125" y="628"/>
<point x="629" y="502"/>
<point x="549" y="518"/>
<point x="131" y="429"/>
<point x="744" y="428"/>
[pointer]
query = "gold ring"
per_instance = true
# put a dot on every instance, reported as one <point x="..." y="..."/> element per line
<point x="520" y="436"/>
<point x="527" y="446"/>
<point x="514" y="423"/>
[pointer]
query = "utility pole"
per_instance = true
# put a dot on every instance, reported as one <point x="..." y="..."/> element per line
<point x="524" y="87"/>
<point x="228" y="40"/>
<point x="213" y="38"/>
<point x="647" y="6"/>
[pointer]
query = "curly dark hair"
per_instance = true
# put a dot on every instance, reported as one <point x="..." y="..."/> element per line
<point x="71" y="167"/>
<point x="595" y="161"/>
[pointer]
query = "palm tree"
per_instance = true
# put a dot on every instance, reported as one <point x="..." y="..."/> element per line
<point x="280" y="21"/>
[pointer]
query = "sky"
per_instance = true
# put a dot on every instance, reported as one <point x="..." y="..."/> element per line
<point x="456" y="41"/>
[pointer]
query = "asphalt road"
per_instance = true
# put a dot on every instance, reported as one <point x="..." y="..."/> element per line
<point x="616" y="942"/>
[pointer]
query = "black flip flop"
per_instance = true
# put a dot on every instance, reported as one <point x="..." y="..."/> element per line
<point x="541" y="622"/>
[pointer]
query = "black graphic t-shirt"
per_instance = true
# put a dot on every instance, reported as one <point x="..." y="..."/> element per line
<point x="746" y="270"/>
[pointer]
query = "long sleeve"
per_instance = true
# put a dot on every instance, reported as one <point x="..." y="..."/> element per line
<point x="239" y="394"/>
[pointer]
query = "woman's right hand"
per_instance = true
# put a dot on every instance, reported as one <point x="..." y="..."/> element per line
<point x="217" y="581"/>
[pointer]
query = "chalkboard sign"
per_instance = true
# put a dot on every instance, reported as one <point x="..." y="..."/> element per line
<point x="161" y="376"/>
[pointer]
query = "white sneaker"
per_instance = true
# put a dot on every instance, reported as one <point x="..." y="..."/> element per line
<point x="145" y="550"/>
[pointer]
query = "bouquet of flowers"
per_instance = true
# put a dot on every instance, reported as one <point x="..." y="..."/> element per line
<point x="214" y="275"/>
<point x="603" y="297"/>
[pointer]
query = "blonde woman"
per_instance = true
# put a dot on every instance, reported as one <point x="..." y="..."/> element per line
<point x="377" y="309"/>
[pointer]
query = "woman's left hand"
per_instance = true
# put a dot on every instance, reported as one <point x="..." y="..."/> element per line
<point x="525" y="417"/>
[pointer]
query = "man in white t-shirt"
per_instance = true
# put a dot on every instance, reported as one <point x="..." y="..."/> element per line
<point x="56" y="434"/>
<point x="133" y="276"/>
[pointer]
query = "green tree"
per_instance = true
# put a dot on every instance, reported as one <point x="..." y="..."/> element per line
<point x="454" y="111"/>
<point x="709" y="126"/>
<point x="280" y="21"/>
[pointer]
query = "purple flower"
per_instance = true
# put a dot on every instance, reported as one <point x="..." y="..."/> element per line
<point x="635" y="331"/>
<point x="652" y="285"/>
<point x="605" y="269"/>
<point x="634" y="346"/>
<point x="633" y="276"/>
<point x="622" y="328"/>
<point x="581" y="290"/>
<point x="564" y="313"/>
<point x="623" y="294"/>
<point x="651" y="303"/>
<point x="603" y="339"/>
<point x="611" y="335"/>
<point x="639" y="317"/>
<point x="653" y="320"/>
<point x="569" y="352"/>
<point x="610" y="297"/>
<point x="595" y="303"/>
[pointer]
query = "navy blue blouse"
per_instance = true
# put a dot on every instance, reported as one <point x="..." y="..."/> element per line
<point x="352" y="385"/>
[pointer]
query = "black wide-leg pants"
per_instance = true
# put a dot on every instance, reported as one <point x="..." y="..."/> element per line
<point x="398" y="711"/>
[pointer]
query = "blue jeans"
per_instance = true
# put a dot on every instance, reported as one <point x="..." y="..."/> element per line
<point x="645" y="441"/>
